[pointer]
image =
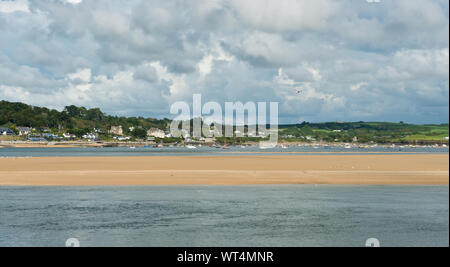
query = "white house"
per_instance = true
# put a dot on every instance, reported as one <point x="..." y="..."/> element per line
<point x="185" y="134"/>
<point x="122" y="138"/>
<point x="156" y="133"/>
<point x="117" y="130"/>
<point x="90" y="136"/>
<point x="24" y="130"/>
<point x="6" y="131"/>
<point x="68" y="136"/>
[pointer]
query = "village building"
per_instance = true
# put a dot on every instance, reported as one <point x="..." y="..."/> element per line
<point x="156" y="133"/>
<point x="185" y="134"/>
<point x="117" y="130"/>
<point x="122" y="138"/>
<point x="6" y="131"/>
<point x="91" y="136"/>
<point x="69" y="136"/>
<point x="24" y="130"/>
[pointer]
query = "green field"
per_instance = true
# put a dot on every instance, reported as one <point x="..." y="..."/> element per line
<point x="378" y="132"/>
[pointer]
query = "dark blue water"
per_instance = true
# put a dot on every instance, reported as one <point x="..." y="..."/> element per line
<point x="225" y="216"/>
<point x="202" y="151"/>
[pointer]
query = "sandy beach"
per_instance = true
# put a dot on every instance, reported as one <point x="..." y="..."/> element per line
<point x="226" y="170"/>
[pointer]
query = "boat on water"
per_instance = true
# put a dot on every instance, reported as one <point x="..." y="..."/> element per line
<point x="191" y="147"/>
<point x="132" y="147"/>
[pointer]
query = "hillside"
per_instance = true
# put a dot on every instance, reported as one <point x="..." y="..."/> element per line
<point x="378" y="132"/>
<point x="80" y="120"/>
<point x="72" y="118"/>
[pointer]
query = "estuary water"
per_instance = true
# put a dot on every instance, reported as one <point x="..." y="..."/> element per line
<point x="294" y="215"/>
<point x="206" y="151"/>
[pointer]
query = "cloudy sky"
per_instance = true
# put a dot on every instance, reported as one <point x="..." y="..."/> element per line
<point x="352" y="59"/>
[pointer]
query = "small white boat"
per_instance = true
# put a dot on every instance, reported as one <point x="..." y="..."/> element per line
<point x="191" y="147"/>
<point x="132" y="147"/>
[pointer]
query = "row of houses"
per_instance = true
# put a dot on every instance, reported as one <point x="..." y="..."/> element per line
<point x="154" y="132"/>
<point x="158" y="133"/>
<point x="21" y="131"/>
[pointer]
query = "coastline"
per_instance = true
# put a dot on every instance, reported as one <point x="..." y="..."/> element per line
<point x="432" y="169"/>
<point x="102" y="144"/>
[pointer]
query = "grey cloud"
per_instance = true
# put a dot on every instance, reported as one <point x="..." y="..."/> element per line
<point x="361" y="61"/>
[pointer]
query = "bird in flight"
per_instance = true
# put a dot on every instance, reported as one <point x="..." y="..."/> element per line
<point x="299" y="91"/>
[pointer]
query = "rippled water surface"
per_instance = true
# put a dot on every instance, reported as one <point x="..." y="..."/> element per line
<point x="205" y="151"/>
<point x="225" y="216"/>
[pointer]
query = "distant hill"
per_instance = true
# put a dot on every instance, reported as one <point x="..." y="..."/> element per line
<point x="80" y="120"/>
<point x="379" y="132"/>
<point x="72" y="117"/>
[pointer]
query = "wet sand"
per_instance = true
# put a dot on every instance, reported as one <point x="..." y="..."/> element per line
<point x="429" y="169"/>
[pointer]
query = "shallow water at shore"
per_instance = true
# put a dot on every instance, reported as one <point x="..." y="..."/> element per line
<point x="225" y="216"/>
<point x="205" y="151"/>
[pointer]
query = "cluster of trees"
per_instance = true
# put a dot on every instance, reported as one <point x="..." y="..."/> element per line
<point x="76" y="120"/>
<point x="24" y="115"/>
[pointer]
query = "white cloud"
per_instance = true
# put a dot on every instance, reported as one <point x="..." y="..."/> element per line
<point x="351" y="60"/>
<point x="286" y="15"/>
<point x="358" y="86"/>
<point x="10" y="6"/>
<point x="74" y="2"/>
<point x="83" y="75"/>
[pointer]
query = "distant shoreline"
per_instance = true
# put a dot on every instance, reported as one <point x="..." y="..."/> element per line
<point x="243" y="170"/>
<point x="77" y="144"/>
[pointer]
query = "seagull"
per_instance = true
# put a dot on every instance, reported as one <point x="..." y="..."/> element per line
<point x="298" y="91"/>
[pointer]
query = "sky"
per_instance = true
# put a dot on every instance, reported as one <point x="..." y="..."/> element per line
<point x="351" y="60"/>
